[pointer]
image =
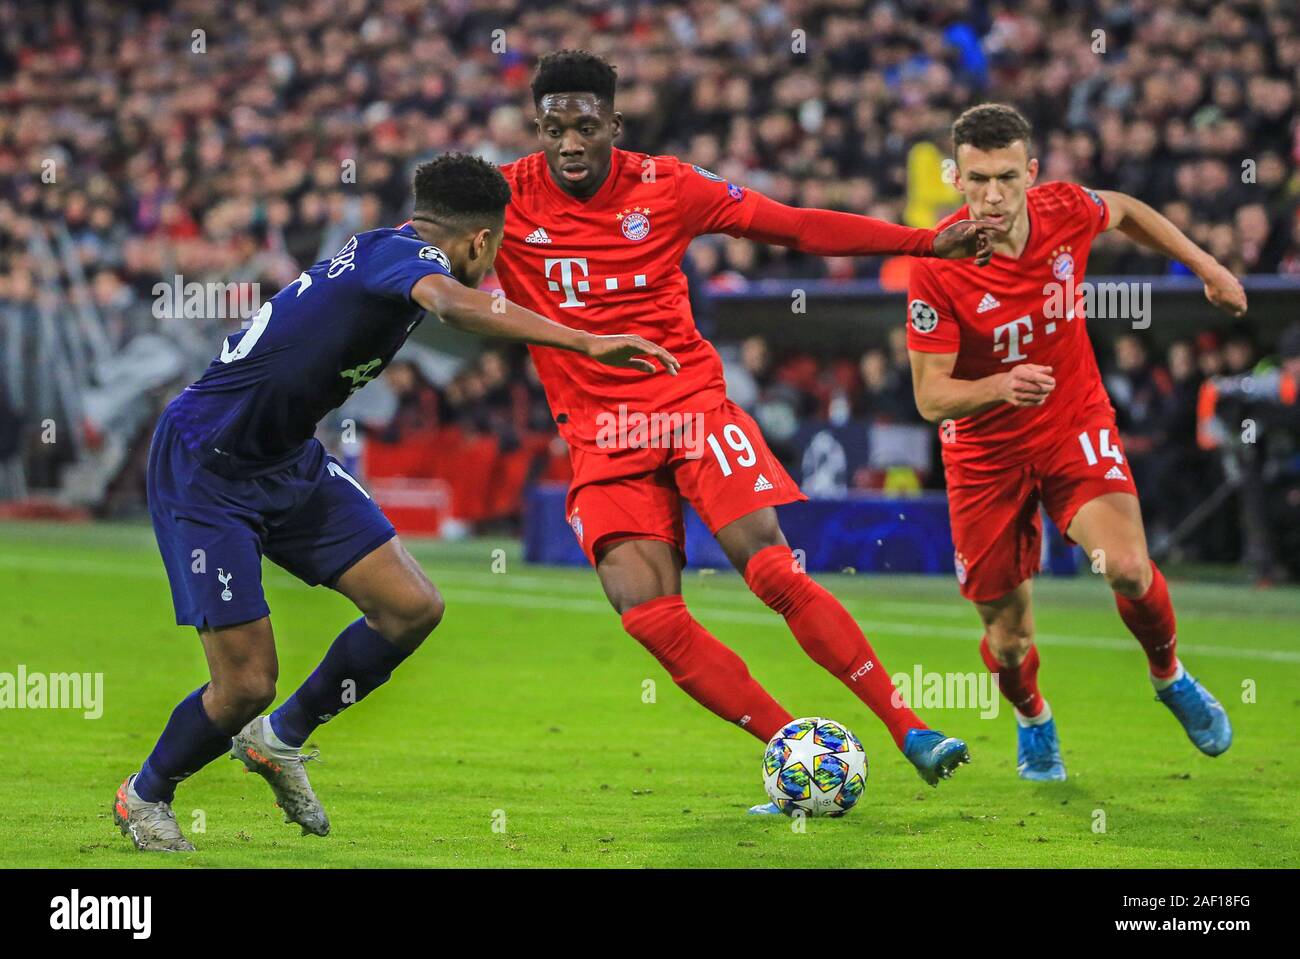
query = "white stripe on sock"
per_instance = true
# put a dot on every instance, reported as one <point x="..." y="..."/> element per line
<point x="1043" y="716"/>
<point x="269" y="735"/>
<point x="1161" y="684"/>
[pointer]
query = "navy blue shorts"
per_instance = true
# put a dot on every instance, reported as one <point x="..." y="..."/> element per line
<point x="310" y="517"/>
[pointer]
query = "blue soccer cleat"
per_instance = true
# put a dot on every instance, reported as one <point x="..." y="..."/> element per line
<point x="765" y="809"/>
<point x="934" y="755"/>
<point x="1039" y="754"/>
<point x="1204" y="720"/>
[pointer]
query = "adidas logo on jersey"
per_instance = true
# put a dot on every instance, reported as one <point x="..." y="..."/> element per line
<point x="537" y="236"/>
<point x="988" y="303"/>
<point x="762" y="484"/>
<point x="1115" y="473"/>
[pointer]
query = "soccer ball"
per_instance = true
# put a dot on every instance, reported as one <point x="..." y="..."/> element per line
<point x="815" y="765"/>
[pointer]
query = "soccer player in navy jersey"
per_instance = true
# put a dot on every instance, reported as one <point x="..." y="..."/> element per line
<point x="235" y="472"/>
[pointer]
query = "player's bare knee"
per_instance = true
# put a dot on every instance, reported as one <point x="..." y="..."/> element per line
<point x="1010" y="642"/>
<point x="428" y="612"/>
<point x="407" y="620"/>
<point x="242" y="697"/>
<point x="622" y="602"/>
<point x="633" y="579"/>
<point x="629" y="596"/>
<point x="1129" y="573"/>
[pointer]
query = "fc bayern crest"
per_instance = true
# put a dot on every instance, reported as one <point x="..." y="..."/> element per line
<point x="1063" y="264"/>
<point x="635" y="223"/>
<point x="959" y="562"/>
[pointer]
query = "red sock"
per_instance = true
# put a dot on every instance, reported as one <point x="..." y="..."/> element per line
<point x="1151" y="619"/>
<point x="708" y="672"/>
<point x="1019" y="684"/>
<point x="828" y="634"/>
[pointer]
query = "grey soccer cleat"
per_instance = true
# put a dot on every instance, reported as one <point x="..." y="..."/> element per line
<point x="283" y="770"/>
<point x="150" y="825"/>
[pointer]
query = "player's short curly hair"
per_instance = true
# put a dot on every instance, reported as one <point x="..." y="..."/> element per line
<point x="574" y="71"/>
<point x="991" y="126"/>
<point x="460" y="189"/>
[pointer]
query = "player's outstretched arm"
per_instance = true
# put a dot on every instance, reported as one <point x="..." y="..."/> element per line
<point x="1151" y="229"/>
<point x="939" y="396"/>
<point x="830" y="233"/>
<point x="478" y="312"/>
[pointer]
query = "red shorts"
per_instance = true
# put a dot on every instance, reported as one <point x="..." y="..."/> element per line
<point x="996" y="527"/>
<point x="718" y="462"/>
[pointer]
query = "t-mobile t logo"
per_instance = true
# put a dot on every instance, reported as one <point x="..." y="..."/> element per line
<point x="1012" y="339"/>
<point x="571" y="288"/>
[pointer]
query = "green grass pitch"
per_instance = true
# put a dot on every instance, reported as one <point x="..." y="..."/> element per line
<point x="520" y="734"/>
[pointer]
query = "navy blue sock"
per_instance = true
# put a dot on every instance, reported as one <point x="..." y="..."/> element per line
<point x="188" y="743"/>
<point x="357" y="662"/>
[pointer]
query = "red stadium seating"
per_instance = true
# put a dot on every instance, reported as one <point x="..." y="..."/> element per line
<point x="434" y="475"/>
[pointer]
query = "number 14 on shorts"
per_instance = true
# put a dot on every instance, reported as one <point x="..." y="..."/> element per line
<point x="1103" y="448"/>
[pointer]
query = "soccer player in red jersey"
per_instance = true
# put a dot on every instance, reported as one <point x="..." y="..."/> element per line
<point x="1002" y="360"/>
<point x="594" y="236"/>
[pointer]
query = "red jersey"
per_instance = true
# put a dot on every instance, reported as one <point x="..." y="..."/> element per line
<point x="611" y="264"/>
<point x="1016" y="311"/>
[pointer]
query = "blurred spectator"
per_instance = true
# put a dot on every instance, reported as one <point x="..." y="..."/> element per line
<point x="1140" y="392"/>
<point x="419" y="403"/>
<point x="1238" y="352"/>
<point x="747" y="378"/>
<point x="886" y="396"/>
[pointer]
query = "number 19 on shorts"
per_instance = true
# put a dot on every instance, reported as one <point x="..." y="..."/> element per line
<point x="738" y="442"/>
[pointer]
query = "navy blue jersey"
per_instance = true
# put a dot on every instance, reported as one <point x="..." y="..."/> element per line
<point x="309" y="347"/>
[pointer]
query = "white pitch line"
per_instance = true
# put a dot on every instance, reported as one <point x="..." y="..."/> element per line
<point x="970" y="636"/>
<point x="522" y="599"/>
<point x="963" y="611"/>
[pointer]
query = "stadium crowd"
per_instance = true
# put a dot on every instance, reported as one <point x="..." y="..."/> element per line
<point x="243" y="138"/>
<point x="237" y="142"/>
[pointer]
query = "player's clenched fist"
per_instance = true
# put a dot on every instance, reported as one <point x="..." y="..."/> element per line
<point x="630" y="352"/>
<point x="1027" y="384"/>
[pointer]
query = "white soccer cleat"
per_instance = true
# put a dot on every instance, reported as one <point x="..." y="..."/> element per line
<point x="283" y="771"/>
<point x="151" y="826"/>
